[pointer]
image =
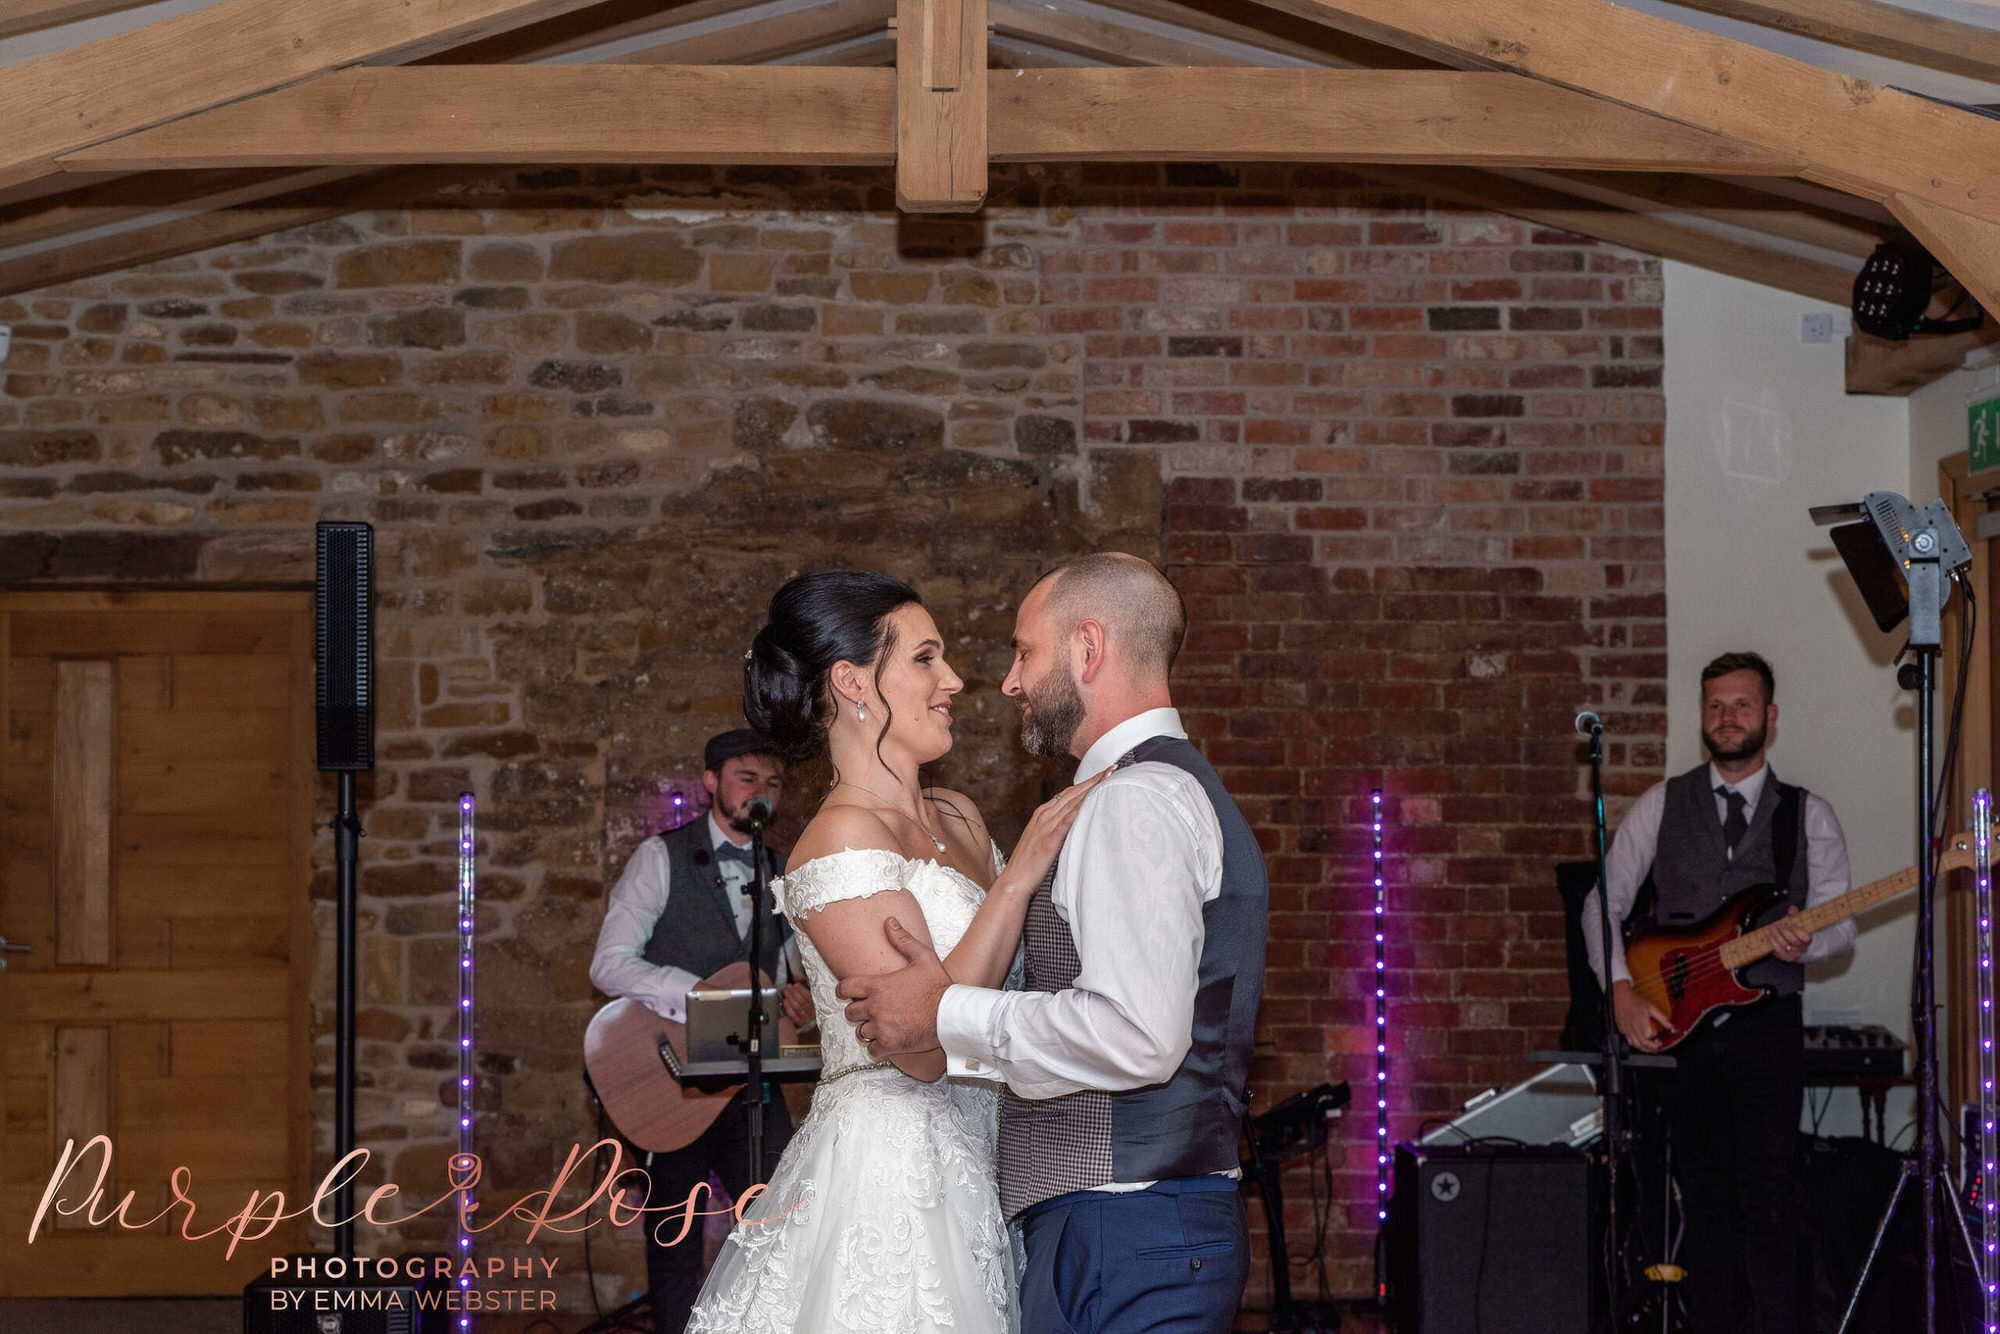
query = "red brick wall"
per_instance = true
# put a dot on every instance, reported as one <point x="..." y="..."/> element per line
<point x="1414" y="500"/>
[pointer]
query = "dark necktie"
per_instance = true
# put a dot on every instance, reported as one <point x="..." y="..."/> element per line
<point x="1734" y="826"/>
<point x="729" y="852"/>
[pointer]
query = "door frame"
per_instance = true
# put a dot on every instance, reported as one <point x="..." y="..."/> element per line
<point x="1965" y="498"/>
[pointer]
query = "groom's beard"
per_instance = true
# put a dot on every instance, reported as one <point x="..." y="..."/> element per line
<point x="1055" y="711"/>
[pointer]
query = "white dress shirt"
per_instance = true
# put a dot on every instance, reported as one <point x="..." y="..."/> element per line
<point x="619" y="966"/>
<point x="1143" y="856"/>
<point x="1631" y="858"/>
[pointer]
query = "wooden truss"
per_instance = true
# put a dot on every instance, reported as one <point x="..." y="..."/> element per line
<point x="243" y="117"/>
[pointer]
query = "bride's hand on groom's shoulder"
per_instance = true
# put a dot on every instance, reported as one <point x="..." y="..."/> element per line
<point x="1046" y="830"/>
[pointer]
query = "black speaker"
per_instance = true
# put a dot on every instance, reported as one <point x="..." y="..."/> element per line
<point x="415" y="1297"/>
<point x="1491" y="1238"/>
<point x="344" y="645"/>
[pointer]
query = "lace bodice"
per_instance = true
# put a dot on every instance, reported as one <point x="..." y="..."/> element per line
<point x="889" y="1221"/>
<point x="949" y="900"/>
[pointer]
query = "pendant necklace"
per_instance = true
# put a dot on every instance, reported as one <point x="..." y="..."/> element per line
<point x="936" y="842"/>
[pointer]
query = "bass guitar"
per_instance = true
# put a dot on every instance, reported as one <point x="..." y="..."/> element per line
<point x="1691" y="972"/>
<point x="635" y="1058"/>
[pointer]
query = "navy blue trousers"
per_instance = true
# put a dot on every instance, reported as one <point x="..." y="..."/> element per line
<point x="1171" y="1259"/>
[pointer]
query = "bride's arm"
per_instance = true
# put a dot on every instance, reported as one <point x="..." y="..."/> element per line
<point x="985" y="953"/>
<point x="848" y="933"/>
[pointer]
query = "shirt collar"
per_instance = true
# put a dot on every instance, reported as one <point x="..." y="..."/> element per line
<point x="717" y="835"/>
<point x="1752" y="787"/>
<point x="1107" y="749"/>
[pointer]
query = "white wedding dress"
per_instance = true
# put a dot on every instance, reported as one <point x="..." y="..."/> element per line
<point x="894" y="1224"/>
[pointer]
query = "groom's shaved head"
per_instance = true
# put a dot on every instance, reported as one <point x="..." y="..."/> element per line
<point x="1141" y="612"/>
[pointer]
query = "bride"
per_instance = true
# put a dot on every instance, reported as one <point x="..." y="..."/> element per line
<point x="882" y="1215"/>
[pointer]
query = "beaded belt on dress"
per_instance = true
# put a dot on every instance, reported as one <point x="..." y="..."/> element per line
<point x="856" y="1070"/>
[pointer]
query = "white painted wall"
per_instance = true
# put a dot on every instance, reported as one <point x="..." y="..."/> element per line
<point x="1758" y="429"/>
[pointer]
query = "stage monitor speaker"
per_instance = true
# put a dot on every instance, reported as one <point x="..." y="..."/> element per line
<point x="305" y="1301"/>
<point x="344" y="645"/>
<point x="1491" y="1238"/>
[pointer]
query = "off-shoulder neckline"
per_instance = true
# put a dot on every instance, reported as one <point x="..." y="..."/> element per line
<point x="882" y="852"/>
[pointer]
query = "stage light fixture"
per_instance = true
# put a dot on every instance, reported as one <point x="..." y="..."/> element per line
<point x="1892" y="291"/>
<point x="1901" y="556"/>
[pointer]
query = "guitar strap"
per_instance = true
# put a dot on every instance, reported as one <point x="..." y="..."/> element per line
<point x="1785" y="834"/>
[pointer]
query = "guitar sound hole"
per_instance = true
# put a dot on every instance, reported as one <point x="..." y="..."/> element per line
<point x="1676" y="973"/>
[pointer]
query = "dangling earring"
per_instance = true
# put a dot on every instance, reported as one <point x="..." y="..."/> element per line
<point x="860" y="714"/>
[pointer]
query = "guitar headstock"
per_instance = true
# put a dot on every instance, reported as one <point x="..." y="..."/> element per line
<point x="1960" y="852"/>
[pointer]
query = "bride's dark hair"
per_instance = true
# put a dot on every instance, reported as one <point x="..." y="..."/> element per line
<point x="816" y="620"/>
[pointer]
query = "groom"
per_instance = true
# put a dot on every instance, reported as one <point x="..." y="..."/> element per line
<point x="1125" y="1057"/>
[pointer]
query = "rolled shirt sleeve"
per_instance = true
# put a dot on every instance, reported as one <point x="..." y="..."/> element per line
<point x="619" y="967"/>
<point x="1141" y="860"/>
<point x="1826" y="859"/>
<point x="1626" y="867"/>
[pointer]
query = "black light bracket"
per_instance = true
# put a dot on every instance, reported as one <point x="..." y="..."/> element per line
<point x="1895" y="288"/>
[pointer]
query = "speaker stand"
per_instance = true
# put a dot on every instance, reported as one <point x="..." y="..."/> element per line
<point x="346" y="857"/>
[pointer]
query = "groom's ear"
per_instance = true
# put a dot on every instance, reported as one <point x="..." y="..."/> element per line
<point x="1090" y="637"/>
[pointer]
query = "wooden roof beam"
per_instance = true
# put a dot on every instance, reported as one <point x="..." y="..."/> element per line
<point x="1335" y="115"/>
<point x="34" y="15"/>
<point x="585" y="113"/>
<point x="184" y="235"/>
<point x="1739" y="204"/>
<point x="757" y="41"/>
<point x="1853" y="135"/>
<point x="941" y="163"/>
<point x="105" y="205"/>
<point x="1963" y="49"/>
<point x="544" y="114"/>
<point x="1969" y="247"/>
<point x="68" y="100"/>
<point x="1552" y="208"/>
<point x="1879" y="366"/>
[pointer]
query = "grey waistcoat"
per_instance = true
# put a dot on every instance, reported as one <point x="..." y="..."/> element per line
<point x="1693" y="872"/>
<point x="1187" y="1126"/>
<point x="697" y="931"/>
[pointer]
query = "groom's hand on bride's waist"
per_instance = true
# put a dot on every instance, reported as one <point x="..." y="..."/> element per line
<point x="896" y="1013"/>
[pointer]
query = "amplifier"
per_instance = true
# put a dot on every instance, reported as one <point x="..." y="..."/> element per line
<point x="1852" y="1051"/>
<point x="1487" y="1238"/>
<point x="364" y="1296"/>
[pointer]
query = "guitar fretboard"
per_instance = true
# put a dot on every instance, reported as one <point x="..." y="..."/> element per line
<point x="1754" y="945"/>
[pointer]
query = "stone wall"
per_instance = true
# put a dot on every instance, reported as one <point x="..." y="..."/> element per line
<point x="1404" y="462"/>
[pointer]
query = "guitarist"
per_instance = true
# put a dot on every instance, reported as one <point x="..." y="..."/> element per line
<point x="1733" y="1105"/>
<point x="680" y="912"/>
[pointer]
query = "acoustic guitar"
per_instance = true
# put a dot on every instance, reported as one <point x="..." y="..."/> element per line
<point x="1690" y="972"/>
<point x="632" y="1054"/>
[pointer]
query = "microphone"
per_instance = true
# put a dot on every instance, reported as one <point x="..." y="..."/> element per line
<point x="758" y="810"/>
<point x="1589" y="724"/>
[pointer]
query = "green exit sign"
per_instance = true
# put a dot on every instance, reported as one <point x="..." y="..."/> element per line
<point x="1982" y="431"/>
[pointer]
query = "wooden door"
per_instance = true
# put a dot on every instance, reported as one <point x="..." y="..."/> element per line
<point x="155" y="827"/>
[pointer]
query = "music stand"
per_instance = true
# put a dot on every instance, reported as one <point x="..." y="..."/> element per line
<point x="1902" y="557"/>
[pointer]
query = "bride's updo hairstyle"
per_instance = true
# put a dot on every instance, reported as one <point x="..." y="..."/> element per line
<point x="815" y="621"/>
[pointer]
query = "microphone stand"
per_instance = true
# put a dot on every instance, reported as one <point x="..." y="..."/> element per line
<point x="755" y="1095"/>
<point x="1613" y="1088"/>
